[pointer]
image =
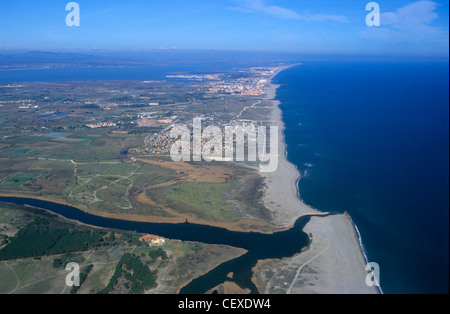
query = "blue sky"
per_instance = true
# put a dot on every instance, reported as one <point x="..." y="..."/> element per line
<point x="408" y="27"/>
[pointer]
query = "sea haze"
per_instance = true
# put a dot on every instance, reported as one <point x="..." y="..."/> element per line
<point x="372" y="139"/>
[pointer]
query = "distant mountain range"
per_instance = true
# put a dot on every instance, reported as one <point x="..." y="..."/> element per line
<point x="55" y="60"/>
<point x="44" y="59"/>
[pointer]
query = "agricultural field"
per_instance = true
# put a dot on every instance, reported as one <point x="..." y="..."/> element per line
<point x="19" y="179"/>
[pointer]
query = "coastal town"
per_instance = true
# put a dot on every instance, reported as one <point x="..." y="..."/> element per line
<point x="169" y="103"/>
<point x="253" y="85"/>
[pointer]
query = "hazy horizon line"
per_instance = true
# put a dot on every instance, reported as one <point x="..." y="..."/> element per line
<point x="444" y="55"/>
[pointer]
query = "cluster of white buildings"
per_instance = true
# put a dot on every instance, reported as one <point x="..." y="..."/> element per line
<point x="101" y="125"/>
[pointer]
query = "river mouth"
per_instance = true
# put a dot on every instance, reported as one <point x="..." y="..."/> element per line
<point x="259" y="246"/>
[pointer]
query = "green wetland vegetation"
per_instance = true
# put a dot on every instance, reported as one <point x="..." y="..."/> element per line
<point x="45" y="236"/>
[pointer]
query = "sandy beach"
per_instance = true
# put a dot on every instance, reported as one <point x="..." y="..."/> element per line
<point x="334" y="261"/>
<point x="332" y="264"/>
<point x="281" y="195"/>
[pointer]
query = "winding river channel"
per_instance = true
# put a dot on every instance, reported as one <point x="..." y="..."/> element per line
<point x="259" y="246"/>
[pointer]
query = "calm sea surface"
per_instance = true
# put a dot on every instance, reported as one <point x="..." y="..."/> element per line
<point x="372" y="139"/>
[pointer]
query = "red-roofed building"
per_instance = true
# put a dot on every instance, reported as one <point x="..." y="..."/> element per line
<point x="152" y="240"/>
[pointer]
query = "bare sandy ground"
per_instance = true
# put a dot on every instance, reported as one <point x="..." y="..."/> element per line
<point x="209" y="174"/>
<point x="334" y="262"/>
<point x="228" y="287"/>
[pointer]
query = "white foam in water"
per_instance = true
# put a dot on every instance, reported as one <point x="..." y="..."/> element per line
<point x="363" y="250"/>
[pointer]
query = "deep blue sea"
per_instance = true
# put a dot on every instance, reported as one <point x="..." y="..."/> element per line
<point x="371" y="138"/>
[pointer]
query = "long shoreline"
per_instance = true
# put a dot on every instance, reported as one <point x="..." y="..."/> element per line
<point x="361" y="245"/>
<point x="282" y="191"/>
<point x="303" y="208"/>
